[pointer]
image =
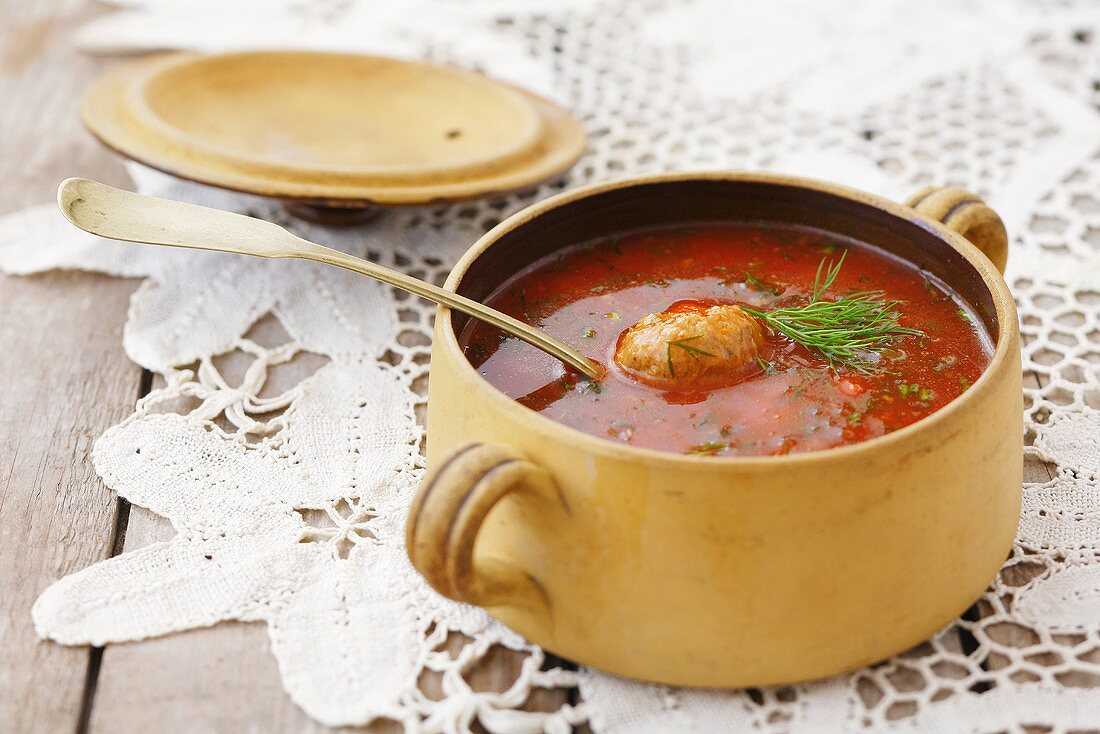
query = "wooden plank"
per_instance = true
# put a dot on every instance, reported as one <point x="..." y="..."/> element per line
<point x="42" y="140"/>
<point x="65" y="377"/>
<point x="66" y="380"/>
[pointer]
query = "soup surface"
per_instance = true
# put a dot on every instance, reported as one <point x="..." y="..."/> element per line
<point x="789" y="398"/>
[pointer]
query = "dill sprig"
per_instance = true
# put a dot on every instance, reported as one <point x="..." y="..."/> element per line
<point x="686" y="345"/>
<point x="846" y="331"/>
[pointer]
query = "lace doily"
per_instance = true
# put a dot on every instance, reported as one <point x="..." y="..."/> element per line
<point x="289" y="509"/>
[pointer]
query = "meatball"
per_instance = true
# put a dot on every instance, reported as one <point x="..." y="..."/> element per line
<point x="690" y="347"/>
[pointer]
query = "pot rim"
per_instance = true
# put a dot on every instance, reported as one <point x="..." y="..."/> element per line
<point x="1004" y="306"/>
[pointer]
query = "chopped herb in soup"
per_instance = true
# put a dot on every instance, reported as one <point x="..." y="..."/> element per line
<point x="733" y="340"/>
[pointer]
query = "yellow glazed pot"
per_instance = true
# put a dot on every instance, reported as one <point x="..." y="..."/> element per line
<point x="710" y="571"/>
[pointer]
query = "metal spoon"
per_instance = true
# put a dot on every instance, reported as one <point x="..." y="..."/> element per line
<point x="124" y="215"/>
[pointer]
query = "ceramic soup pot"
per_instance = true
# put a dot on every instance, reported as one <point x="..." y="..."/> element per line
<point x="710" y="571"/>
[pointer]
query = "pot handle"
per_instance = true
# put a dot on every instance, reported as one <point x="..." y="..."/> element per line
<point x="447" y="513"/>
<point x="968" y="215"/>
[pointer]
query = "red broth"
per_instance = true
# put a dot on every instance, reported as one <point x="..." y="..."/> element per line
<point x="791" y="401"/>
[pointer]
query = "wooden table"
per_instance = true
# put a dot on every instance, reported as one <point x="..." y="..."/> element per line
<point x="65" y="379"/>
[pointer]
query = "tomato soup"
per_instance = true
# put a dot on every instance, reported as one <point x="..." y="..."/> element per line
<point x="790" y="398"/>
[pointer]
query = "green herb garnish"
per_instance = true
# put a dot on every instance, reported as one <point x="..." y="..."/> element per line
<point x="586" y="386"/>
<point x="768" y="367"/>
<point x="757" y="284"/>
<point x="915" y="392"/>
<point x="845" y="331"/>
<point x="690" y="349"/>
<point x="710" y="448"/>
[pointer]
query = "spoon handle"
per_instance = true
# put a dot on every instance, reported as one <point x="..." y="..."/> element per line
<point x="124" y="215"/>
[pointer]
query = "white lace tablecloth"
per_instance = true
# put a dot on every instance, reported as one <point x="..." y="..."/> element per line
<point x="297" y="520"/>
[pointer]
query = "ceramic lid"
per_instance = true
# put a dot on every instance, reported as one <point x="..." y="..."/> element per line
<point x="333" y="128"/>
